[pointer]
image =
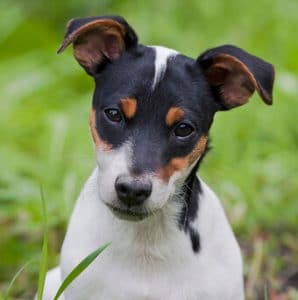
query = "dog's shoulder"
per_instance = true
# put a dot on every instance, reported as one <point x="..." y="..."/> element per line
<point x="211" y="215"/>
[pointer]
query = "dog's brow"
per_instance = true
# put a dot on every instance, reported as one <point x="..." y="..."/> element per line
<point x="174" y="115"/>
<point x="129" y="107"/>
<point x="162" y="54"/>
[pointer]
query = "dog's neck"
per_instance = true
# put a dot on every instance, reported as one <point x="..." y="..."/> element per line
<point x="189" y="212"/>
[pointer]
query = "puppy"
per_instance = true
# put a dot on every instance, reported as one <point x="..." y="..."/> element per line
<point x="151" y="113"/>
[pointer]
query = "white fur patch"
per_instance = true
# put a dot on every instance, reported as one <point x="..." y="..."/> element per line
<point x="111" y="164"/>
<point x="162" y="55"/>
<point x="150" y="259"/>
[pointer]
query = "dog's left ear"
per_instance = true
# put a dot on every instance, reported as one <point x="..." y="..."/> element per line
<point x="234" y="75"/>
<point x="98" y="40"/>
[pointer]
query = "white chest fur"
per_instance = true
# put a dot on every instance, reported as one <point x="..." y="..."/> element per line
<point x="152" y="259"/>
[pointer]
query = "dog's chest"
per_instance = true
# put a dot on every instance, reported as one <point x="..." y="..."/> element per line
<point x="136" y="279"/>
<point x="131" y="269"/>
<point x="151" y="260"/>
<point x="140" y="277"/>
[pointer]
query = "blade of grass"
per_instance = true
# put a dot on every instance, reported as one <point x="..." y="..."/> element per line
<point x="79" y="269"/>
<point x="44" y="257"/>
<point x="265" y="292"/>
<point x="6" y="295"/>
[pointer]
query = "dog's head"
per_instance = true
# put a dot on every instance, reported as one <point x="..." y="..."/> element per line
<point x="153" y="107"/>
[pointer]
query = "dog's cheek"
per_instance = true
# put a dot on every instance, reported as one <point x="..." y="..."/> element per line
<point x="163" y="190"/>
<point x="160" y="194"/>
<point x="177" y="167"/>
<point x="169" y="179"/>
<point x="99" y="143"/>
<point x="198" y="151"/>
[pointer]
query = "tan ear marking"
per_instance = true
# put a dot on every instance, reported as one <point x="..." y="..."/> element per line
<point x="174" y="115"/>
<point x="236" y="81"/>
<point x="101" y="25"/>
<point x="129" y="107"/>
<point x="99" y="143"/>
<point x="95" y="41"/>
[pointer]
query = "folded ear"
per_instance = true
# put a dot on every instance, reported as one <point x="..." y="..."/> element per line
<point x="97" y="40"/>
<point x="234" y="75"/>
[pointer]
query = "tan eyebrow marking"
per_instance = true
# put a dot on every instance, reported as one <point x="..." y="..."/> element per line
<point x="129" y="107"/>
<point x="180" y="163"/>
<point x="99" y="143"/>
<point x="174" y="115"/>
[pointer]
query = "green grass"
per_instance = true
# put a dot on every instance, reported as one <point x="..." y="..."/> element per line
<point x="45" y="102"/>
<point x="44" y="256"/>
<point x="79" y="269"/>
<point x="13" y="280"/>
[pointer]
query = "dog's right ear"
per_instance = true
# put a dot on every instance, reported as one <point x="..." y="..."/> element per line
<point x="233" y="75"/>
<point x="97" y="40"/>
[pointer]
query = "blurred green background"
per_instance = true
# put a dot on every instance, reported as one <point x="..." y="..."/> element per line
<point x="45" y="102"/>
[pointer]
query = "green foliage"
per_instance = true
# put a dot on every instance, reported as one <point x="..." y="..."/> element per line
<point x="79" y="269"/>
<point x="44" y="256"/>
<point x="15" y="277"/>
<point x="45" y="101"/>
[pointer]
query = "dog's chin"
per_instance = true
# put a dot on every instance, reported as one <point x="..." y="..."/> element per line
<point x="128" y="214"/>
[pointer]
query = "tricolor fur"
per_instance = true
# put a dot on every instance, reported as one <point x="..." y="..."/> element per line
<point x="151" y="114"/>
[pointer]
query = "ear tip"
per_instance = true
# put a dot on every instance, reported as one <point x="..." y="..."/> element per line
<point x="269" y="101"/>
<point x="64" y="44"/>
<point x="267" y="98"/>
<point x="61" y="48"/>
<point x="269" y="92"/>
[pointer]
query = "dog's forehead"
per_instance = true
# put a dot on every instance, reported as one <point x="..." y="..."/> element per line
<point x="161" y="57"/>
<point x="152" y="74"/>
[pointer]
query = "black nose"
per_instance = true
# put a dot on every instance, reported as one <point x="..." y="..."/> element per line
<point x="132" y="191"/>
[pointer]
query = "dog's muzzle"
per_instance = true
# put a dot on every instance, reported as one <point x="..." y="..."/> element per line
<point x="132" y="192"/>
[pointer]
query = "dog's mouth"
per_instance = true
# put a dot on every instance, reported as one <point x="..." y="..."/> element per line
<point x="128" y="214"/>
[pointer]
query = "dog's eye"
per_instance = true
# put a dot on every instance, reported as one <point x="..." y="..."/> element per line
<point x="183" y="130"/>
<point x="113" y="114"/>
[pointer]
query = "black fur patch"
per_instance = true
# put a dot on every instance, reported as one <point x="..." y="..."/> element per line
<point x="191" y="190"/>
<point x="191" y="193"/>
<point x="195" y="240"/>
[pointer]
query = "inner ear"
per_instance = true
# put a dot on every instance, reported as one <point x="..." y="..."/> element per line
<point x="97" y="44"/>
<point x="97" y="40"/>
<point x="235" y="82"/>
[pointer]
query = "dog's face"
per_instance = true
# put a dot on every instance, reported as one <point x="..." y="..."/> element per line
<point x="150" y="125"/>
<point x="153" y="107"/>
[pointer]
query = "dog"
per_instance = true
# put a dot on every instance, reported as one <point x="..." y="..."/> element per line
<point x="151" y="113"/>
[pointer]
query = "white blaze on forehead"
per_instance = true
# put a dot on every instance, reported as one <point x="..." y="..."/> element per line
<point x="162" y="55"/>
